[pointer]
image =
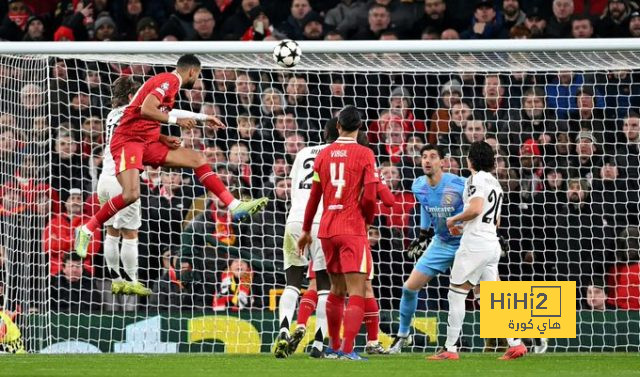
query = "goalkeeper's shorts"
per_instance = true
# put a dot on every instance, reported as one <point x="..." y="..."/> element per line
<point x="438" y="257"/>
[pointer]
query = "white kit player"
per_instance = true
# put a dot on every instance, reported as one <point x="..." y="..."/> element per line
<point x="128" y="220"/>
<point x="477" y="258"/>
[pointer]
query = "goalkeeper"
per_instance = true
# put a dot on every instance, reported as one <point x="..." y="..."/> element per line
<point x="440" y="196"/>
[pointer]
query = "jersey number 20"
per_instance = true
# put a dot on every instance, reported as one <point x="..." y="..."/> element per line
<point x="494" y="211"/>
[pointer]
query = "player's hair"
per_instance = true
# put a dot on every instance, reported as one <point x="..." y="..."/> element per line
<point x="188" y="61"/>
<point x="481" y="156"/>
<point x="123" y="87"/>
<point x="431" y="147"/>
<point x="349" y="118"/>
<point x="330" y="133"/>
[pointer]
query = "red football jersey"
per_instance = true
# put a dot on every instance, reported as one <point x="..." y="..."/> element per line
<point x="343" y="169"/>
<point x="164" y="86"/>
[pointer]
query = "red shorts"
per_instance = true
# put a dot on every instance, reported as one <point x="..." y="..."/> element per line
<point x="346" y="254"/>
<point x="135" y="153"/>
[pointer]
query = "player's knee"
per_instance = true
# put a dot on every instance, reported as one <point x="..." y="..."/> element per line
<point x="130" y="195"/>
<point x="129" y="234"/>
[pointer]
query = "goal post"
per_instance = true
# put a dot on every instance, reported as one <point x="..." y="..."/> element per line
<point x="562" y="116"/>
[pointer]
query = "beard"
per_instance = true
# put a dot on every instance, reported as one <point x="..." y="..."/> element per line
<point x="188" y="85"/>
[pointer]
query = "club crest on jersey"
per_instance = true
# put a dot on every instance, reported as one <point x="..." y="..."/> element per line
<point x="447" y="199"/>
<point x="133" y="159"/>
<point x="165" y="85"/>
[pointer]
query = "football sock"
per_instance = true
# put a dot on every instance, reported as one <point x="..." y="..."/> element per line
<point x="107" y="211"/>
<point x="353" y="317"/>
<point x="335" y="311"/>
<point x="307" y="306"/>
<point x="112" y="257"/>
<point x="212" y="183"/>
<point x="514" y="342"/>
<point x="288" y="302"/>
<point x="408" y="306"/>
<point x="129" y="258"/>
<point x="456" y="317"/>
<point x="321" y="320"/>
<point x="372" y="318"/>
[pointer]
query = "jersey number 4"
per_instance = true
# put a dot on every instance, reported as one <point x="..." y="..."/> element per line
<point x="492" y="214"/>
<point x="337" y="177"/>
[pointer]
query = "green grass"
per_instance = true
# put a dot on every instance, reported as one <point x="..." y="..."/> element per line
<point x="473" y="365"/>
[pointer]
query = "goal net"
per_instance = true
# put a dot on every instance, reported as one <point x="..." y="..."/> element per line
<point x="565" y="126"/>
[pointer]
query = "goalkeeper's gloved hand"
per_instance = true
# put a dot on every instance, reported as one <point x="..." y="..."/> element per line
<point x="504" y="244"/>
<point x="417" y="246"/>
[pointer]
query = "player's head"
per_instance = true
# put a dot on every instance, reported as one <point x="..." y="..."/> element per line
<point x="331" y="133"/>
<point x="431" y="159"/>
<point x="481" y="157"/>
<point x="188" y="67"/>
<point x="123" y="90"/>
<point x="349" y="119"/>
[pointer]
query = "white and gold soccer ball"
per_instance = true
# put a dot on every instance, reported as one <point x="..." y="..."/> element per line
<point x="287" y="53"/>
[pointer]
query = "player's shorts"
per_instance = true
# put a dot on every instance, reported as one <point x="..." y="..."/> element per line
<point x="438" y="257"/>
<point x="348" y="254"/>
<point x="292" y="233"/>
<point x="126" y="218"/>
<point x="475" y="265"/>
<point x="130" y="152"/>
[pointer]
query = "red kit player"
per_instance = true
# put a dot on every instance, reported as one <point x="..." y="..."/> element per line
<point x="346" y="181"/>
<point x="137" y="142"/>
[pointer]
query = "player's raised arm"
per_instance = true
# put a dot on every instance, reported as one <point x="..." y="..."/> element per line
<point x="150" y="109"/>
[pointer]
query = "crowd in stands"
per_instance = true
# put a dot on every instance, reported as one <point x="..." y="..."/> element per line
<point x="568" y="146"/>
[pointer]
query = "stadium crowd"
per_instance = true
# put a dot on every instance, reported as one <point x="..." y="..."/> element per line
<point x="568" y="146"/>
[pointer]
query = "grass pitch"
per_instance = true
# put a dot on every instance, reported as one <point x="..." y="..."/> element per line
<point x="473" y="365"/>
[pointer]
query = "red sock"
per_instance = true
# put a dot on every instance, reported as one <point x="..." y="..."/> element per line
<point x="212" y="183"/>
<point x="353" y="316"/>
<point x="372" y="318"/>
<point x="107" y="211"/>
<point x="335" y="310"/>
<point x="307" y="306"/>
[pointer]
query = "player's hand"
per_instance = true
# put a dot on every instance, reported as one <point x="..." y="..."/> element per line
<point x="417" y="247"/>
<point x="171" y="141"/>
<point x="187" y="123"/>
<point x="454" y="229"/>
<point x="214" y="122"/>
<point x="303" y="242"/>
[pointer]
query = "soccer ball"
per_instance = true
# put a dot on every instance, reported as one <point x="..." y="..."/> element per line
<point x="287" y="53"/>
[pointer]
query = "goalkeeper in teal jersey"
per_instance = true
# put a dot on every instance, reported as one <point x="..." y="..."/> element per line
<point x="440" y="197"/>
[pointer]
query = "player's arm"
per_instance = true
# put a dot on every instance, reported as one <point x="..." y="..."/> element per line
<point x="209" y="120"/>
<point x="418" y="245"/>
<point x="371" y="180"/>
<point x="150" y="109"/>
<point x="385" y="195"/>
<point x="310" y="213"/>
<point x="472" y="211"/>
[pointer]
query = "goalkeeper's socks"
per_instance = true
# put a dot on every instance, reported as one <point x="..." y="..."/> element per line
<point x="212" y="182"/>
<point x="456" y="317"/>
<point x="111" y="256"/>
<point x="353" y="317"/>
<point x="307" y="306"/>
<point x="408" y="306"/>
<point x="129" y="257"/>
<point x="335" y="311"/>
<point x="514" y="342"/>
<point x="107" y="211"/>
<point x="288" y="303"/>
<point x="321" y="320"/>
<point x="372" y="318"/>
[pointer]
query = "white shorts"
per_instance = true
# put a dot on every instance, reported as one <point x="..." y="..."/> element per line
<point x="127" y="218"/>
<point x="475" y="266"/>
<point x="292" y="233"/>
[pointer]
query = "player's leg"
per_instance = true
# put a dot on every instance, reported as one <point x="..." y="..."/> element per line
<point x="356" y="283"/>
<point x="189" y="158"/>
<point x="288" y="302"/>
<point x="129" y="258"/>
<point x="457" y="296"/>
<point x="372" y="321"/>
<point x="112" y="258"/>
<point x="335" y="311"/>
<point x="323" y="285"/>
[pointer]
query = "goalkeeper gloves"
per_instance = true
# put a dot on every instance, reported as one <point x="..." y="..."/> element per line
<point x="417" y="246"/>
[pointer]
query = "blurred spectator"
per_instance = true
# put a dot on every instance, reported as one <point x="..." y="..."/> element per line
<point x="169" y="203"/>
<point x="281" y="169"/>
<point x="15" y="21"/>
<point x="239" y="163"/>
<point x="587" y="160"/>
<point x="35" y="30"/>
<point x="581" y="27"/>
<point x="71" y="289"/>
<point x="273" y="102"/>
<point x="204" y="25"/>
<point x="237" y="24"/>
<point x="180" y="23"/>
<point x="493" y="106"/>
<point x="91" y="132"/>
<point x="614" y="22"/>
<point x="396" y="217"/>
<point x="68" y="168"/>
<point x="591" y="7"/>
<point x="246" y="98"/>
<point x="474" y="130"/>
<point x="486" y="23"/>
<point x="313" y="27"/>
<point x="435" y="17"/>
<point x="449" y="94"/>
<point x="379" y="21"/>
<point x="589" y="117"/>
<point x="235" y="287"/>
<point x="531" y="173"/>
<point x="127" y="19"/>
<point x="628" y="148"/>
<point x="623" y="279"/>
<point x="400" y="14"/>
<point x="293" y="26"/>
<point x="519" y="32"/>
<point x="536" y="23"/>
<point x="459" y="114"/>
<point x="59" y="233"/>
<point x="192" y="139"/>
<point x="428" y="34"/>
<point x="105" y="28"/>
<point x="392" y="143"/>
<point x="513" y="14"/>
<point x="560" y="24"/>
<point x="620" y="93"/>
<point x="261" y="27"/>
<point x="616" y="197"/>
<point x="333" y="35"/>
<point x="451" y="165"/>
<point x="634" y="24"/>
<point x="561" y="93"/>
<point x="449" y="34"/>
<point x="177" y="287"/>
<point x="338" y="14"/>
<point x="147" y="30"/>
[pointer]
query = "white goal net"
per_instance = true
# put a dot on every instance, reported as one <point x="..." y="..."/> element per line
<point x="565" y="126"/>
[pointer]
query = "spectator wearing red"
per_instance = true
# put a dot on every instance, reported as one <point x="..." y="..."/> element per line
<point x="392" y="144"/>
<point x="449" y="94"/>
<point x="59" y="234"/>
<point x="235" y="287"/>
<point x="623" y="279"/>
<point x="237" y="24"/>
<point x="397" y="216"/>
<point x="260" y="28"/>
<point x="591" y="7"/>
<point x="14" y="24"/>
<point x="531" y="172"/>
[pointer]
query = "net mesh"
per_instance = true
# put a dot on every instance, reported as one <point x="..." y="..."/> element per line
<point x="564" y="125"/>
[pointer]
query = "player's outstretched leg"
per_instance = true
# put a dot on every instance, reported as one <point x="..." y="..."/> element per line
<point x="129" y="258"/>
<point x="457" y="296"/>
<point x="516" y="349"/>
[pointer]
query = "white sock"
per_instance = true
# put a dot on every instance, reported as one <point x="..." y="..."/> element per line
<point x="129" y="257"/>
<point x="112" y="255"/>
<point x="456" y="317"/>
<point x="234" y="204"/>
<point x="288" y="303"/>
<point x="514" y="342"/>
<point x="321" y="319"/>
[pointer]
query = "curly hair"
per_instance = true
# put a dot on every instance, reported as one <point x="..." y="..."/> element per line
<point x="481" y="156"/>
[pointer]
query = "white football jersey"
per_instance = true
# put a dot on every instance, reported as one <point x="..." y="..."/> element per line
<point x="482" y="229"/>
<point x="301" y="180"/>
<point x="108" y="165"/>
